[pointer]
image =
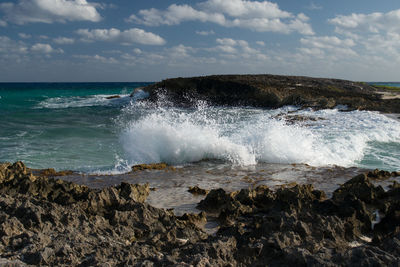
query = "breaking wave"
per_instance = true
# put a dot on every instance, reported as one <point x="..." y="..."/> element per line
<point x="245" y="136"/>
<point x="83" y="101"/>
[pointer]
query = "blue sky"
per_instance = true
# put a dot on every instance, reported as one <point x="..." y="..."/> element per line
<point x="126" y="40"/>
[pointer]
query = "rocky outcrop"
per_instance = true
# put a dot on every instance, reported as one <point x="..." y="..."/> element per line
<point x="44" y="221"/>
<point x="195" y="190"/>
<point x="298" y="226"/>
<point x="272" y="91"/>
<point x="52" y="222"/>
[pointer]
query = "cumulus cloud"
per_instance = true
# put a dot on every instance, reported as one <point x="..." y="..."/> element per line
<point x="137" y="51"/>
<point x="24" y="35"/>
<point x="314" y="6"/>
<point x="259" y="16"/>
<point x="180" y="52"/>
<point x="373" y="22"/>
<point x="3" y="23"/>
<point x="49" y="11"/>
<point x="133" y="35"/>
<point x="63" y="40"/>
<point x="327" y="42"/>
<point x="9" y="46"/>
<point x="246" y="9"/>
<point x="175" y="14"/>
<point x="378" y="33"/>
<point x="45" y="49"/>
<point x="232" y="48"/>
<point x="12" y="52"/>
<point x="205" y="33"/>
<point x="328" y="45"/>
<point x="97" y="58"/>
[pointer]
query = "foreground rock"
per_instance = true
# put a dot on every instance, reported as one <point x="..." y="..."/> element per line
<point x="298" y="226"/>
<point x="52" y="222"/>
<point x="272" y="91"/>
<point x="44" y="221"/>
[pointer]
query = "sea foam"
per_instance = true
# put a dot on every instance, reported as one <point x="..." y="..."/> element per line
<point x="245" y="136"/>
<point x="83" y="101"/>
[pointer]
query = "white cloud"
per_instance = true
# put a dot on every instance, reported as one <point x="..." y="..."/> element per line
<point x="97" y="58"/>
<point x="12" y="52"/>
<point x="133" y="35"/>
<point x="327" y="42"/>
<point x="372" y="23"/>
<point x="260" y="43"/>
<point x="180" y="51"/>
<point x="205" y="33"/>
<point x="231" y="48"/>
<point x="185" y="59"/>
<point x="175" y="14"/>
<point x="45" y="49"/>
<point x="3" y="23"/>
<point x="226" y="41"/>
<point x="314" y="6"/>
<point x="49" y="11"/>
<point x="246" y="9"/>
<point x="377" y="33"/>
<point x="24" y="35"/>
<point x="262" y="16"/>
<point x="330" y="46"/>
<point x="9" y="46"/>
<point x="63" y="40"/>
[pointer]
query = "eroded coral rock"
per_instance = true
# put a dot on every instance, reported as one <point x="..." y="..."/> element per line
<point x="44" y="221"/>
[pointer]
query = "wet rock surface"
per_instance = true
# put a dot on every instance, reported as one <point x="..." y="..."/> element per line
<point x="195" y="190"/>
<point x="44" y="221"/>
<point x="272" y="91"/>
<point x="113" y="97"/>
<point x="154" y="166"/>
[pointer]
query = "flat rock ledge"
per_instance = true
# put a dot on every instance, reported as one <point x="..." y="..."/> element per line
<point x="45" y="221"/>
<point x="271" y="91"/>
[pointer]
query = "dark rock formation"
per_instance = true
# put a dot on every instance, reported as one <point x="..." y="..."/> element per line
<point x="272" y="91"/>
<point x="154" y="166"/>
<point x="195" y="190"/>
<point x="52" y="222"/>
<point x="298" y="226"/>
<point x="113" y="97"/>
<point x="44" y="221"/>
<point x="381" y="174"/>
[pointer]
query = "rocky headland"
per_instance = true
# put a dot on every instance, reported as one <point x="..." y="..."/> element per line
<point x="273" y="91"/>
<point x="47" y="221"/>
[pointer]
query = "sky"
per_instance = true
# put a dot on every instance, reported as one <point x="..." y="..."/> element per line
<point x="135" y="40"/>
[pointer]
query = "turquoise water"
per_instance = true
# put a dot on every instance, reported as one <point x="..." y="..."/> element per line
<point x="74" y="126"/>
<point x="62" y="125"/>
<point x="391" y="84"/>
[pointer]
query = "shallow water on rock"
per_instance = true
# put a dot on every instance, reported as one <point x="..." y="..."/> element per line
<point x="171" y="187"/>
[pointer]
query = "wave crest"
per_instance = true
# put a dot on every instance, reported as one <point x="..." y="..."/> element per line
<point x="245" y="136"/>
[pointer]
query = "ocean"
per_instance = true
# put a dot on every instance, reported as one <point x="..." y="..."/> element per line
<point x="74" y="126"/>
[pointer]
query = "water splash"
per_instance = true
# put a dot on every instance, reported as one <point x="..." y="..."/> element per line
<point x="245" y="136"/>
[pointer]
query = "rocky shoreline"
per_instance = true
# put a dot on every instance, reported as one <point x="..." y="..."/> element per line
<point x="273" y="91"/>
<point x="47" y="221"/>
